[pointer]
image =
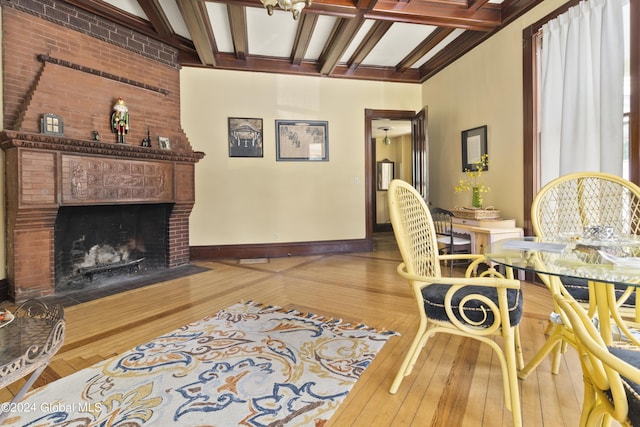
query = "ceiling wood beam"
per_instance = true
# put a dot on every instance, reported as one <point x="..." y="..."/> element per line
<point x="238" y="27"/>
<point x="366" y="4"/>
<point x="480" y="20"/>
<point x="339" y="8"/>
<point x="310" y="68"/>
<point x="415" y="11"/>
<point x="423" y="48"/>
<point x="156" y="16"/>
<point x="195" y="17"/>
<point x="477" y="4"/>
<point x="344" y="32"/>
<point x="303" y="37"/>
<point x="375" y="34"/>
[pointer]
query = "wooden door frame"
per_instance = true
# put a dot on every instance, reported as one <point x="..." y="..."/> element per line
<point x="370" y="161"/>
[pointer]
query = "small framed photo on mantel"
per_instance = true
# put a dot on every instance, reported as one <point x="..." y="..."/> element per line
<point x="164" y="143"/>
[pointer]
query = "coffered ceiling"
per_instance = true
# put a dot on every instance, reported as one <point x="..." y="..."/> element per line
<point x="382" y="40"/>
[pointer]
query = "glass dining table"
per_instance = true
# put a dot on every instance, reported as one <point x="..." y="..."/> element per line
<point x="609" y="264"/>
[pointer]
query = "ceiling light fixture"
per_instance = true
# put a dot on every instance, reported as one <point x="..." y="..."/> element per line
<point x="386" y="140"/>
<point x="295" y="6"/>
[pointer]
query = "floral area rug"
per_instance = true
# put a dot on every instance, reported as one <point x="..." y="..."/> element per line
<point x="247" y="365"/>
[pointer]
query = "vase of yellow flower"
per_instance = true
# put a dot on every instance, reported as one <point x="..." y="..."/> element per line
<point x="472" y="183"/>
<point x="476" y="197"/>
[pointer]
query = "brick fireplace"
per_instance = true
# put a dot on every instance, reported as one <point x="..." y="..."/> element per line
<point x="76" y="66"/>
<point x="46" y="175"/>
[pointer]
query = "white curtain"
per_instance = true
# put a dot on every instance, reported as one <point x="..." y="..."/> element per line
<point x="581" y="91"/>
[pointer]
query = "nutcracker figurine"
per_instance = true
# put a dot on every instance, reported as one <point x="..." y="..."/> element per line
<point x="120" y="120"/>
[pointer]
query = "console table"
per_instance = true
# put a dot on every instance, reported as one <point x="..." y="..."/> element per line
<point x="28" y="343"/>
<point x="485" y="232"/>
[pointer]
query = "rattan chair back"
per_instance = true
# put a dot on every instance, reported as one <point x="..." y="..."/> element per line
<point x="414" y="230"/>
<point x="573" y="204"/>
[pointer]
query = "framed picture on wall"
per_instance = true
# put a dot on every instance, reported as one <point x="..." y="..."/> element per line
<point x="245" y="137"/>
<point x="474" y="146"/>
<point x="298" y="140"/>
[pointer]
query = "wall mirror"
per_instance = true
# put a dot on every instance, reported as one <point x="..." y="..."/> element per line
<point x="474" y="146"/>
<point x="386" y="173"/>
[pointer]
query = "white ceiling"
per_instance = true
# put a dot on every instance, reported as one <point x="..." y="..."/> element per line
<point x="396" y="128"/>
<point x="385" y="40"/>
<point x="273" y="36"/>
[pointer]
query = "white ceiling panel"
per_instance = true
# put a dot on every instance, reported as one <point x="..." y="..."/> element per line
<point x="359" y="37"/>
<point x="219" y="19"/>
<point x="397" y="43"/>
<point x="321" y="34"/>
<point x="131" y="6"/>
<point x="270" y="35"/>
<point x="170" y="9"/>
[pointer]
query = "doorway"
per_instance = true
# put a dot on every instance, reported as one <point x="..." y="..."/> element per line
<point x="392" y="141"/>
<point x="414" y="127"/>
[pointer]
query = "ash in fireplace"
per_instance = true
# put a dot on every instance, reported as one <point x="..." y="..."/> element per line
<point x="100" y="255"/>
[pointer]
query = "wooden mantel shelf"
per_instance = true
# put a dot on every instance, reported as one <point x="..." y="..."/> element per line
<point x="13" y="139"/>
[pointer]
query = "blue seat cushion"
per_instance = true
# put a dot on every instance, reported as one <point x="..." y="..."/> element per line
<point x="632" y="357"/>
<point x="579" y="290"/>
<point x="476" y="310"/>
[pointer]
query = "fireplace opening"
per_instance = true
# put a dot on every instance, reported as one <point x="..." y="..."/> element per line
<point x="95" y="244"/>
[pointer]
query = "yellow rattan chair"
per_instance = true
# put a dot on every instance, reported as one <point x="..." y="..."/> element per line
<point x="611" y="375"/>
<point x="475" y="307"/>
<point x="564" y="209"/>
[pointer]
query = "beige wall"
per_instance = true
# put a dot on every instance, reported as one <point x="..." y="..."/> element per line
<point x="260" y="200"/>
<point x="482" y="88"/>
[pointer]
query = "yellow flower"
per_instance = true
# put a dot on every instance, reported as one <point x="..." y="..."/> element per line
<point x="473" y="174"/>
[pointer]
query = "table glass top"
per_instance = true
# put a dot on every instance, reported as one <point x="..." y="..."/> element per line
<point x="612" y="260"/>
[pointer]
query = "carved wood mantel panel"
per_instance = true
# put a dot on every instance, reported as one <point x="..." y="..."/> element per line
<point x="97" y="180"/>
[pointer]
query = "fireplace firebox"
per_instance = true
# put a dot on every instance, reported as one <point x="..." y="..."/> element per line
<point x="94" y="244"/>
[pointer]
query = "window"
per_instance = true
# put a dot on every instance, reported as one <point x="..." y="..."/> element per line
<point x="531" y="75"/>
<point x="627" y="86"/>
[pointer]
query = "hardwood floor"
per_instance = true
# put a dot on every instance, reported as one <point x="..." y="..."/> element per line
<point x="456" y="382"/>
